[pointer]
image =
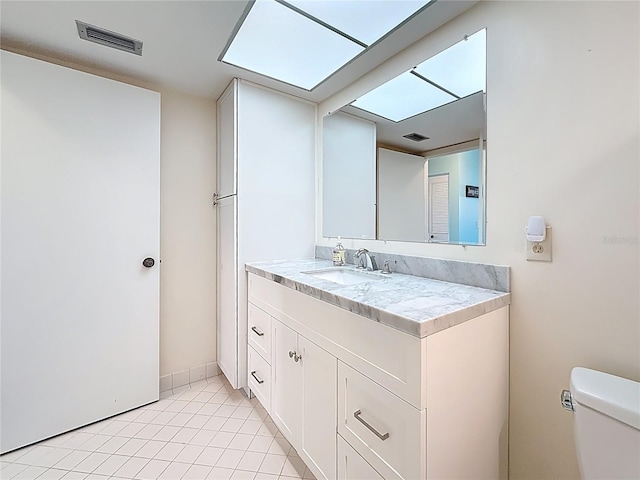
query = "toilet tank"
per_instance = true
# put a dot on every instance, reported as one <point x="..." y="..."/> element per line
<point x="607" y="425"/>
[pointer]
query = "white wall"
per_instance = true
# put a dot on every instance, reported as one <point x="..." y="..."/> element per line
<point x="563" y="142"/>
<point x="187" y="232"/>
<point x="187" y="225"/>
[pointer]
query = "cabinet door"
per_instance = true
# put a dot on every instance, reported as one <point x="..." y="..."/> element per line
<point x="227" y="138"/>
<point x="351" y="466"/>
<point x="286" y="407"/>
<point x="319" y="417"/>
<point x="227" y="300"/>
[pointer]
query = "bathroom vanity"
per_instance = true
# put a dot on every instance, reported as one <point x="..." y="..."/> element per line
<point x="380" y="376"/>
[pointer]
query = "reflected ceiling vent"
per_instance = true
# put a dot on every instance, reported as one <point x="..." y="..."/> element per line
<point x="109" y="39"/>
<point x="416" y="137"/>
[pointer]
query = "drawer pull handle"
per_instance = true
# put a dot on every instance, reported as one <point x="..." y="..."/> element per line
<point x="258" y="332"/>
<point x="295" y="356"/>
<point x="357" y="414"/>
<point x="253" y="374"/>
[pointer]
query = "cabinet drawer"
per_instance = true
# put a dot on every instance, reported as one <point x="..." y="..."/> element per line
<point x="259" y="331"/>
<point x="387" y="431"/>
<point x="259" y="376"/>
<point x="351" y="466"/>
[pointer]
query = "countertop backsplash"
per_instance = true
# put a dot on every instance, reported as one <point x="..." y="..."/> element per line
<point x="492" y="277"/>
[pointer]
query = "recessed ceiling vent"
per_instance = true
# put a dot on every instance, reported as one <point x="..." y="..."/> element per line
<point x="416" y="137"/>
<point x="109" y="39"/>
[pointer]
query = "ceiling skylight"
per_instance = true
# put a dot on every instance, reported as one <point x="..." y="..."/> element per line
<point x="404" y="96"/>
<point x="460" y="68"/>
<point x="456" y="72"/>
<point x="304" y="42"/>
<point x="365" y="20"/>
<point x="277" y="42"/>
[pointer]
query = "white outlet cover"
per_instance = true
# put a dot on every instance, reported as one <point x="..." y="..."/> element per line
<point x="545" y="255"/>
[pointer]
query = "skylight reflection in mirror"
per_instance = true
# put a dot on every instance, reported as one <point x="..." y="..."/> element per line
<point x="402" y="97"/>
<point x="460" y="68"/>
<point x="364" y="20"/>
<point x="280" y="43"/>
<point x="459" y="71"/>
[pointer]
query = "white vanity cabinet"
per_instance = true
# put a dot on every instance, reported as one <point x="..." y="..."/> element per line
<point x="368" y="401"/>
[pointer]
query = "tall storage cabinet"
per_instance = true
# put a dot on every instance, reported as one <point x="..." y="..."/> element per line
<point x="265" y="199"/>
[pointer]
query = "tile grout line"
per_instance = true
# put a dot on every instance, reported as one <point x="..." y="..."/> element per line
<point x="242" y="421"/>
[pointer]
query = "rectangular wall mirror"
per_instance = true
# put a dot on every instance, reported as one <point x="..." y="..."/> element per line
<point x="406" y="161"/>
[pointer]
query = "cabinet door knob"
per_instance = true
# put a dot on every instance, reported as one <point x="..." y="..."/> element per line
<point x="295" y="356"/>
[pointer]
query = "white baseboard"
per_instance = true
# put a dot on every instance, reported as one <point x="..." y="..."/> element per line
<point x="176" y="381"/>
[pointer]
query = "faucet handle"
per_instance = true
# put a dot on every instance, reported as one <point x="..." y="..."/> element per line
<point x="385" y="268"/>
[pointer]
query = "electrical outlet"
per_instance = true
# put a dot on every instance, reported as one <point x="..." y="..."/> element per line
<point x="540" y="251"/>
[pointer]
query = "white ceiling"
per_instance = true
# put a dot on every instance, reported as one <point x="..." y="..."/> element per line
<point x="182" y="40"/>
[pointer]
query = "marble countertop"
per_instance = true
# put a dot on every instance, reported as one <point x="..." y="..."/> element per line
<point x="416" y="305"/>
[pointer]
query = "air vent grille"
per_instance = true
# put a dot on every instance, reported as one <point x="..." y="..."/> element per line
<point x="109" y="39"/>
<point x="416" y="137"/>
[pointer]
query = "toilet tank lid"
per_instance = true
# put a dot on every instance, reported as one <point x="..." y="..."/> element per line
<point x="613" y="396"/>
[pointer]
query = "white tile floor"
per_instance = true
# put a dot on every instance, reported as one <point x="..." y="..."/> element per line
<point x="208" y="431"/>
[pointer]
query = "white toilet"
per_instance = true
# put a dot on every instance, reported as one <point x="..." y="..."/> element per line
<point x="607" y="424"/>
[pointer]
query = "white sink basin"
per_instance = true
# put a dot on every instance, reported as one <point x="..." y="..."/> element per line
<point x="345" y="277"/>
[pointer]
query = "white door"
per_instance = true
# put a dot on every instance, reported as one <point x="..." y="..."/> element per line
<point x="286" y="407"/>
<point x="438" y="208"/>
<point x="80" y="212"/>
<point x="227" y="300"/>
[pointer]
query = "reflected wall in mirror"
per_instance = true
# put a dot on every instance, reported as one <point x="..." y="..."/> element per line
<point x="349" y="180"/>
<point x="406" y="161"/>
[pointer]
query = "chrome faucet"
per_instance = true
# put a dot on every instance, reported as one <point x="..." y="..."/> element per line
<point x="366" y="261"/>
